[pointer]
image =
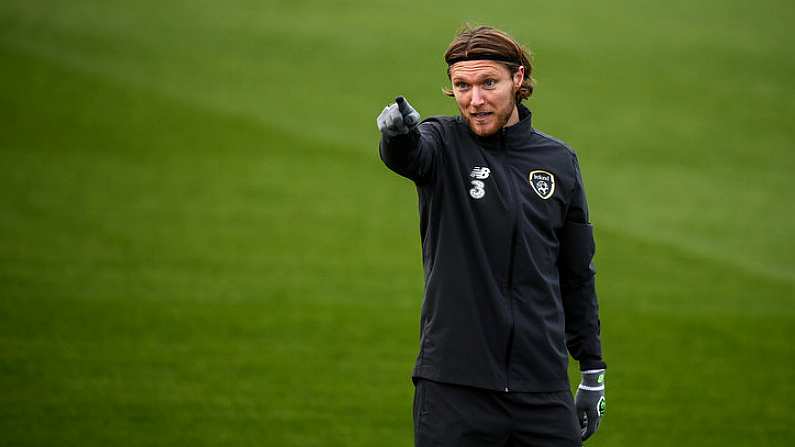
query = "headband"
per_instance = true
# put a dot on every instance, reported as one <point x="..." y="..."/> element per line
<point x="487" y="57"/>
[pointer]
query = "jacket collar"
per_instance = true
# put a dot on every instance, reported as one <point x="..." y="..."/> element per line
<point x="511" y="136"/>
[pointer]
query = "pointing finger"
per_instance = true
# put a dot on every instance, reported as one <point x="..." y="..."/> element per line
<point x="410" y="116"/>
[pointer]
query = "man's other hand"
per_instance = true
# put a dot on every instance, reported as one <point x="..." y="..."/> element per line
<point x="590" y="401"/>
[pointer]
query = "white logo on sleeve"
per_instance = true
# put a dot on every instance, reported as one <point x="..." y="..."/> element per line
<point x="479" y="173"/>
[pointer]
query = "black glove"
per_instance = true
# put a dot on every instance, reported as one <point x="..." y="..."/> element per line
<point x="397" y="118"/>
<point x="590" y="401"/>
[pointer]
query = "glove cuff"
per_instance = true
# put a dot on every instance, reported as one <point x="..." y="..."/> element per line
<point x="593" y="380"/>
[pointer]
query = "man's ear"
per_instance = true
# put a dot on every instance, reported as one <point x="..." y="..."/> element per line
<point x="518" y="77"/>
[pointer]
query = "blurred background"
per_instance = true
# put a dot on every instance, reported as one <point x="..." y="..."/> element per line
<point x="200" y="246"/>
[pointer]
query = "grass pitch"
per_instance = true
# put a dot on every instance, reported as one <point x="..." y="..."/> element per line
<point x="199" y="244"/>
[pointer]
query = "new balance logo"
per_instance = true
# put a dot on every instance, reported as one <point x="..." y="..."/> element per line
<point x="480" y="173"/>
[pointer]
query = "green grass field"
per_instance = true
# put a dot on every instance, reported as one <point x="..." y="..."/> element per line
<point x="200" y="246"/>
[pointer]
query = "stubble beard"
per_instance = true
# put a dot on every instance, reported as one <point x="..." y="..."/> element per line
<point x="501" y="118"/>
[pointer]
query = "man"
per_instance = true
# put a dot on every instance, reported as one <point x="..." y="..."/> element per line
<point x="507" y="249"/>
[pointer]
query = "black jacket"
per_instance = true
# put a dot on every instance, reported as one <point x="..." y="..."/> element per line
<point x="507" y="249"/>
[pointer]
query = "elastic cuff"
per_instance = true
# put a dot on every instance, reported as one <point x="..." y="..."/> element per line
<point x="593" y="380"/>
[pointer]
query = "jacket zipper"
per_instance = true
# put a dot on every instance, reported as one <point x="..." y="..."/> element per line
<point x="509" y="274"/>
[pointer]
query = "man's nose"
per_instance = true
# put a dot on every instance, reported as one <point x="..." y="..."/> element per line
<point x="477" y="97"/>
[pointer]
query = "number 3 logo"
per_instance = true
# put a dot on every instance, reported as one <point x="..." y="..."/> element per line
<point x="478" y="191"/>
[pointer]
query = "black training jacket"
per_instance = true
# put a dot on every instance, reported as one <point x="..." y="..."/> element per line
<point x="507" y="249"/>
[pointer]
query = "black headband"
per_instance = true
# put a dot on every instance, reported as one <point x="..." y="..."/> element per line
<point x="487" y="57"/>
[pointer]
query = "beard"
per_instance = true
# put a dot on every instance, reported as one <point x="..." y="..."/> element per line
<point x="496" y="121"/>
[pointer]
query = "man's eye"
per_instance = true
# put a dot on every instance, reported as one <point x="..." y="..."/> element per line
<point x="490" y="83"/>
<point x="461" y="85"/>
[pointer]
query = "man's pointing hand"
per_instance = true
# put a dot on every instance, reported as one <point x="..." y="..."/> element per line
<point x="397" y="118"/>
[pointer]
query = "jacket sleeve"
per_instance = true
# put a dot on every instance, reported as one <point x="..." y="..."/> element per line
<point x="413" y="155"/>
<point x="577" y="283"/>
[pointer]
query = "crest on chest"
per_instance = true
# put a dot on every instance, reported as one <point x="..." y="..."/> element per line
<point x="542" y="182"/>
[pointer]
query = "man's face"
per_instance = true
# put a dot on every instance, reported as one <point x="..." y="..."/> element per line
<point x="485" y="92"/>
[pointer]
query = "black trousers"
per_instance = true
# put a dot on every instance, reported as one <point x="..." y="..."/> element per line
<point x="462" y="416"/>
